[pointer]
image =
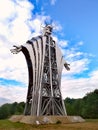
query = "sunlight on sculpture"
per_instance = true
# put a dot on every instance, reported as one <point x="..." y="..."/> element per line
<point x="45" y="63"/>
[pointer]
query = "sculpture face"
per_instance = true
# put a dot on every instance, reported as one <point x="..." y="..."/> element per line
<point x="48" y="30"/>
<point x="45" y="63"/>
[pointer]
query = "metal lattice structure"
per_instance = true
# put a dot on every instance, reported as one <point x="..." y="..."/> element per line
<point x="45" y="62"/>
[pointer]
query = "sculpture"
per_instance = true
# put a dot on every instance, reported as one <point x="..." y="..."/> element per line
<point x="45" y="62"/>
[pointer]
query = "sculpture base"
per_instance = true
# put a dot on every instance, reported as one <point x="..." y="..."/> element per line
<point x="46" y="119"/>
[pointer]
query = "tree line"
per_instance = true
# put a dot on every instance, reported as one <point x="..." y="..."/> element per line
<point x="8" y="110"/>
<point x="87" y="107"/>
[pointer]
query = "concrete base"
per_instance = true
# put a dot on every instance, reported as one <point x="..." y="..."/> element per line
<point x="46" y="119"/>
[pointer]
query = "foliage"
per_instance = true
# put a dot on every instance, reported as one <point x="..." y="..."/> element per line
<point x="4" y="111"/>
<point x="87" y="107"/>
<point x="7" y="110"/>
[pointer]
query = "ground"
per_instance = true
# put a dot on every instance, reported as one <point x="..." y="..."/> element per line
<point x="87" y="125"/>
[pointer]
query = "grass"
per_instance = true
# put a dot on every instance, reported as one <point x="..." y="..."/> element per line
<point x="88" y="125"/>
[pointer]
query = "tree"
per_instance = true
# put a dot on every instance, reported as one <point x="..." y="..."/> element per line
<point x="13" y="108"/>
<point x="86" y="107"/>
<point x="20" y="108"/>
<point x="7" y="110"/>
<point x="4" y="111"/>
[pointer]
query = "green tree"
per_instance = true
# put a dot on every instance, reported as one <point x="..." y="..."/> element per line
<point x="13" y="108"/>
<point x="86" y="107"/>
<point x="4" y="111"/>
<point x="20" y="108"/>
<point x="7" y="110"/>
<point x="69" y="106"/>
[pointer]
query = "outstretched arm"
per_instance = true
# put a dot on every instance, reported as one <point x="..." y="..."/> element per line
<point x="66" y="65"/>
<point x="16" y="50"/>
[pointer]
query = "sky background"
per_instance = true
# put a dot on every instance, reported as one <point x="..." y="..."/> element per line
<point x="75" y="25"/>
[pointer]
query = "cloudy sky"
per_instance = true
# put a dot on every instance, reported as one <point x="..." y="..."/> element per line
<point x="75" y="31"/>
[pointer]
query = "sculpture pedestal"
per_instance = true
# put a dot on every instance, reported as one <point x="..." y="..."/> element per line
<point x="46" y="119"/>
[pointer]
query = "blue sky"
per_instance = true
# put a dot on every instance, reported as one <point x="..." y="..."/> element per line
<point x="75" y="25"/>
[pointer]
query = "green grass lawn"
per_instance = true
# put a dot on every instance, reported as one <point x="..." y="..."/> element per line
<point x="87" y="125"/>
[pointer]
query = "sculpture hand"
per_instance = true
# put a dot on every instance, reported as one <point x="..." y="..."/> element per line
<point x="67" y="66"/>
<point x="16" y="50"/>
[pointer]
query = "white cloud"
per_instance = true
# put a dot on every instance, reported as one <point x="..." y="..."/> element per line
<point x="94" y="75"/>
<point x="7" y="8"/>
<point x="77" y="67"/>
<point x="77" y="88"/>
<point x="74" y="54"/>
<point x="63" y="43"/>
<point x="13" y="93"/>
<point x="56" y="26"/>
<point x="16" y="25"/>
<point x="53" y="2"/>
<point x="80" y="43"/>
<point x="13" y="21"/>
<point x="4" y="100"/>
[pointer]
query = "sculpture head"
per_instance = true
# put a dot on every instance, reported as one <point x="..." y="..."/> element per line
<point x="47" y="30"/>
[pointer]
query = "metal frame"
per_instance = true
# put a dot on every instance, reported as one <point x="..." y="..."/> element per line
<point x="45" y="63"/>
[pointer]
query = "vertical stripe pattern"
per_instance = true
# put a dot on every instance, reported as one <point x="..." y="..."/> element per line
<point x="37" y="103"/>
